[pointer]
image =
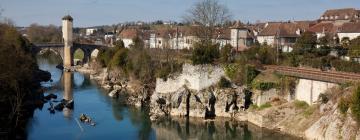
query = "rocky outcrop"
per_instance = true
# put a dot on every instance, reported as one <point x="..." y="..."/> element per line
<point x="333" y="125"/>
<point x="191" y="93"/>
<point x="196" y="99"/>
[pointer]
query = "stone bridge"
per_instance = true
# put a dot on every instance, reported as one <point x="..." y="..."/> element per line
<point x="316" y="74"/>
<point x="58" y="49"/>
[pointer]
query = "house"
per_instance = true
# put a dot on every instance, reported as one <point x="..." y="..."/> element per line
<point x="222" y="37"/>
<point x="349" y="30"/>
<point x="127" y="36"/>
<point x="108" y="35"/>
<point x="324" y="28"/>
<point x="90" y="31"/>
<point x="340" y="16"/>
<point x="241" y="37"/>
<point x="161" y="38"/>
<point x="282" y="34"/>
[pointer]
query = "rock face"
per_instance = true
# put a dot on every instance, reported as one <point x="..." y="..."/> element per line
<point x="333" y="125"/>
<point x="194" y="77"/>
<point x="192" y="94"/>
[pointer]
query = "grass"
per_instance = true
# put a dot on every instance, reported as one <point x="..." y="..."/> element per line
<point x="261" y="107"/>
<point x="301" y="104"/>
<point x="309" y="111"/>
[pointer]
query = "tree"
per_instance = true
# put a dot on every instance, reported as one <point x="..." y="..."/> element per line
<point x="118" y="44"/>
<point x="207" y="14"/>
<point x="324" y="48"/>
<point x="138" y="43"/>
<point x="226" y="55"/>
<point x="306" y="43"/>
<point x="354" y="47"/>
<point x="44" y="34"/>
<point x="205" y="53"/>
<point x="20" y="80"/>
<point x="345" y="42"/>
<point x="355" y="105"/>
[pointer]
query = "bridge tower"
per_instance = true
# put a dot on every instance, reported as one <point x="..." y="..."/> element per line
<point x="67" y="30"/>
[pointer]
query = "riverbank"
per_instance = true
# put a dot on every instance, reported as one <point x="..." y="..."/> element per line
<point x="182" y="95"/>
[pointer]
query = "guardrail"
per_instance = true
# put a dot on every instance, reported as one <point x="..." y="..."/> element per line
<point x="315" y="74"/>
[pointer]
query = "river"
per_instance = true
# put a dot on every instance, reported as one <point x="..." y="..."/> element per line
<point x="114" y="120"/>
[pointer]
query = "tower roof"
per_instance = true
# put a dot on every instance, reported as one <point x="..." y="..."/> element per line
<point x="67" y="17"/>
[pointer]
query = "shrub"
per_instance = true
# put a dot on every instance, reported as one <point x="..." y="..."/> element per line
<point x="301" y="104"/>
<point x="264" y="86"/>
<point x="167" y="68"/>
<point x="205" y="53"/>
<point x="309" y="111"/>
<point x="236" y="73"/>
<point x="120" y="58"/>
<point x="355" y="105"/>
<point x="250" y="74"/>
<point x="253" y="107"/>
<point x="323" y="98"/>
<point x="267" y="55"/>
<point x="105" y="57"/>
<point x="346" y="66"/>
<point x="224" y="83"/>
<point x="226" y="55"/>
<point x="343" y="105"/>
<point x="119" y="44"/>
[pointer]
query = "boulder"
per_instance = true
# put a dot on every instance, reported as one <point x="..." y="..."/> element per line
<point x="114" y="93"/>
<point x="50" y="96"/>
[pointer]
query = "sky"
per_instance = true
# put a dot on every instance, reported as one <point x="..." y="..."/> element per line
<point x="88" y="13"/>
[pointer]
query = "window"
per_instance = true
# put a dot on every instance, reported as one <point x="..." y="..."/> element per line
<point x="159" y="42"/>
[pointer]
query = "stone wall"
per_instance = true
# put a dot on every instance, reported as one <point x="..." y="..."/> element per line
<point x="309" y="90"/>
<point x="194" y="77"/>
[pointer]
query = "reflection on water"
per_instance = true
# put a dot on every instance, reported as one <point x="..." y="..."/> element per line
<point x="221" y="129"/>
<point x="118" y="121"/>
<point x="68" y="92"/>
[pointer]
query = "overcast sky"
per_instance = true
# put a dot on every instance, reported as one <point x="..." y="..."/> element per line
<point x="107" y="12"/>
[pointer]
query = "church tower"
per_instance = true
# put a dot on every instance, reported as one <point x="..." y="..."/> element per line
<point x="67" y="30"/>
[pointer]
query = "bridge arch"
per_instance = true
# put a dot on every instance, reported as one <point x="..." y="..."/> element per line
<point x="90" y="50"/>
<point x="94" y="54"/>
<point x="78" y="55"/>
<point x="50" y="50"/>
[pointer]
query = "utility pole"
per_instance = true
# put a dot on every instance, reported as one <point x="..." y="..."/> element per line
<point x="177" y="37"/>
<point x="277" y="45"/>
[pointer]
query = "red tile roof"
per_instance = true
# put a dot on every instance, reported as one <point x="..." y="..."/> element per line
<point x="340" y="14"/>
<point x="324" y="27"/>
<point x="283" y="29"/>
<point x="129" y="33"/>
<point x="351" y="27"/>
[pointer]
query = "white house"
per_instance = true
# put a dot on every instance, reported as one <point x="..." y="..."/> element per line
<point x="349" y="30"/>
<point x="90" y="31"/>
<point x="283" y="34"/>
<point x="108" y="35"/>
<point x="127" y="36"/>
<point x="241" y="37"/>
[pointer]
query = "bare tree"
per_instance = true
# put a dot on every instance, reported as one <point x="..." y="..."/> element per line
<point x="207" y="14"/>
